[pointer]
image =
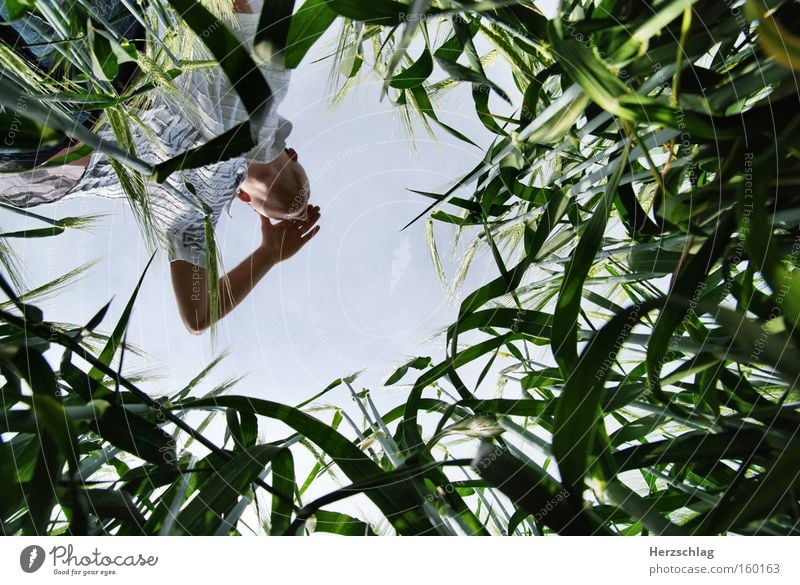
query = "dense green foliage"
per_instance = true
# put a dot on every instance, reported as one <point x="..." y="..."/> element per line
<point x="640" y="208"/>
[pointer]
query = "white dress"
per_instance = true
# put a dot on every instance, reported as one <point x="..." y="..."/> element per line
<point x="206" y="107"/>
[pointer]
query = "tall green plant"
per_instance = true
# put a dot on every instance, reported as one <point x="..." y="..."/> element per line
<point x="645" y="320"/>
<point x="640" y="207"/>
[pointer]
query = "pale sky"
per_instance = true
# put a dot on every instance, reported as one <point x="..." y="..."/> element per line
<point x="361" y="295"/>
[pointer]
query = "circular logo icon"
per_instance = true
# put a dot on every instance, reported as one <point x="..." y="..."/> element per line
<point x="31" y="558"/>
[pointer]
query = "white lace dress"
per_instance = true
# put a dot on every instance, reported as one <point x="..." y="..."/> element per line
<point x="207" y="107"/>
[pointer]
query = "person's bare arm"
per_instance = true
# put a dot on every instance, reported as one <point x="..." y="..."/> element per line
<point x="280" y="241"/>
<point x="190" y="283"/>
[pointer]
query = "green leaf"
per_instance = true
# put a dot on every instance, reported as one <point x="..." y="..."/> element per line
<point x="751" y="500"/>
<point x="654" y="261"/>
<point x="308" y="24"/>
<point x="109" y="504"/>
<point x="692" y="448"/>
<point x="31" y="366"/>
<point x="220" y="491"/>
<point x="39" y="493"/>
<point x="9" y="482"/>
<point x="776" y="40"/>
<point x="116" y="338"/>
<point x="249" y="428"/>
<point x="25" y="135"/>
<point x="756" y="223"/>
<point x="58" y="446"/>
<point x="532" y="491"/>
<point x="283" y="480"/>
<point x="335" y="384"/>
<point x="231" y="143"/>
<point x="17" y="8"/>
<point x="412" y="439"/>
<point x="136" y="435"/>
<point x="578" y="409"/>
<point x="382" y="12"/>
<point x="105" y="65"/>
<point x="423" y="102"/>
<point x="418" y="363"/>
<point x="234" y="59"/>
<point x="413" y="19"/>
<point x="464" y="73"/>
<point x="637" y="507"/>
<point x="416" y="74"/>
<point x="40" y="112"/>
<point x="534" y="323"/>
<point x="342" y="524"/>
<point x="637" y="42"/>
<point x="400" y="502"/>
<point x="689" y="284"/>
<point x="35" y="233"/>
<point x="556" y="208"/>
<point x="273" y="29"/>
<point x="568" y="305"/>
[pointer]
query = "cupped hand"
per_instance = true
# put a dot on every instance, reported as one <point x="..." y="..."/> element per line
<point x="283" y="239"/>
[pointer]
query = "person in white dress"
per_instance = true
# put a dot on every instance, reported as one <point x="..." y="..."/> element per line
<point x="269" y="178"/>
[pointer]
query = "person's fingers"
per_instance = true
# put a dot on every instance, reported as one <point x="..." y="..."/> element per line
<point x="311" y="209"/>
<point x="287" y="225"/>
<point x="312" y="214"/>
<point x="309" y="212"/>
<point x="309" y="223"/>
<point x="300" y="225"/>
<point x="303" y="225"/>
<point x="309" y="235"/>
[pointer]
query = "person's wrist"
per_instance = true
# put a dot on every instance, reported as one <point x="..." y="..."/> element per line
<point x="265" y="256"/>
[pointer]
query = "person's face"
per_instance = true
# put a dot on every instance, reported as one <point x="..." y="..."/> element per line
<point x="278" y="189"/>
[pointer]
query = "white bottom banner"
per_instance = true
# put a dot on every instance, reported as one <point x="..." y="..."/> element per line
<point x="394" y="560"/>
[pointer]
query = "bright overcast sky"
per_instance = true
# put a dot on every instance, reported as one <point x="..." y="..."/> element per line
<point x="361" y="295"/>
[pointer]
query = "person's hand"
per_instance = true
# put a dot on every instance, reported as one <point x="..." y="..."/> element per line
<point x="283" y="239"/>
